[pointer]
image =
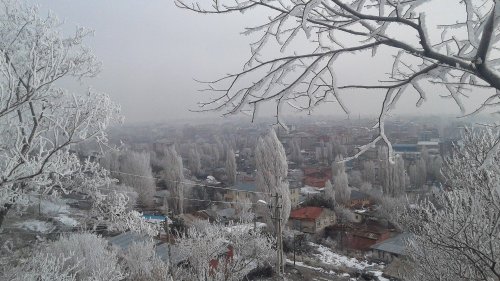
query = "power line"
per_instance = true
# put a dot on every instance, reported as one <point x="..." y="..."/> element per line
<point x="191" y="183"/>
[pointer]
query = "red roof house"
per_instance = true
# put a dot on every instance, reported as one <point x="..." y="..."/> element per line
<point x="311" y="219"/>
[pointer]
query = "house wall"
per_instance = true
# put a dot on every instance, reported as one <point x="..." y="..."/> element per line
<point x="384" y="256"/>
<point x="306" y="226"/>
<point x="237" y="196"/>
<point x="360" y="202"/>
<point x="358" y="218"/>
<point x="364" y="242"/>
<point x="294" y="197"/>
<point x="359" y="242"/>
<point x="327" y="218"/>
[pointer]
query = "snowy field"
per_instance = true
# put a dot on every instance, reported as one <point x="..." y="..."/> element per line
<point x="327" y="258"/>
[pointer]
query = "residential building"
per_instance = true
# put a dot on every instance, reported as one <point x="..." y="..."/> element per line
<point x="311" y="219"/>
<point x="391" y="248"/>
<point x="294" y="196"/>
<point x="359" y="199"/>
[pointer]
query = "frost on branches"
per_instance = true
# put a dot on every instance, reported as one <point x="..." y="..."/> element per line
<point x="223" y="253"/>
<point x="82" y="256"/>
<point x="465" y="57"/>
<point x="457" y="234"/>
<point x="85" y="256"/>
<point x="39" y="121"/>
<point x="272" y="170"/>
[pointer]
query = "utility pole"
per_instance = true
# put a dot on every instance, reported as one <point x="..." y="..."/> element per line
<point x="280" y="266"/>
<point x="167" y="231"/>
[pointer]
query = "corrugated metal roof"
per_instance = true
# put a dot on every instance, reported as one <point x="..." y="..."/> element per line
<point x="125" y="240"/>
<point x="394" y="245"/>
<point x="162" y="252"/>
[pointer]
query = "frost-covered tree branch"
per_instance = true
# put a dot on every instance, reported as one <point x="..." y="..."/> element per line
<point x="465" y="57"/>
<point x="457" y="232"/>
<point x="40" y="122"/>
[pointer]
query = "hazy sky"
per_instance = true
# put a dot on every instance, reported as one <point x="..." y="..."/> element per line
<point x="152" y="50"/>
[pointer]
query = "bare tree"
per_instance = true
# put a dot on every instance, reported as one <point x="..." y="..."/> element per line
<point x="329" y="191"/>
<point x="338" y="165"/>
<point x="231" y="167"/>
<point x="366" y="187"/>
<point x="342" y="189"/>
<point x="368" y="172"/>
<point x="296" y="153"/>
<point x="194" y="160"/>
<point x="81" y="256"/>
<point x="462" y="59"/>
<point x="355" y="179"/>
<point x="344" y="215"/>
<point x="393" y="176"/>
<point x="434" y="170"/>
<point x="39" y="121"/>
<point x="142" y="263"/>
<point x="457" y="234"/>
<point x="205" y="242"/>
<point x="174" y="177"/>
<point x="136" y="172"/>
<point x="272" y="170"/>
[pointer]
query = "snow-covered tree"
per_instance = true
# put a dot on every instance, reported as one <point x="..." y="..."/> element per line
<point x="329" y="191"/>
<point x="342" y="189"/>
<point x="434" y="170"/>
<point x="135" y="171"/>
<point x="43" y="267"/>
<point x="338" y="150"/>
<point x="113" y="210"/>
<point x="463" y="58"/>
<point x="174" y="177"/>
<point x="338" y="165"/>
<point x="344" y="215"/>
<point x="368" y="172"/>
<point x="296" y="153"/>
<point x="224" y="253"/>
<point x="39" y="120"/>
<point x="418" y="173"/>
<point x="141" y="263"/>
<point x="231" y="167"/>
<point x="355" y="178"/>
<point x="366" y="187"/>
<point x="456" y="235"/>
<point x="194" y="160"/>
<point x="81" y="256"/>
<point x="272" y="170"/>
<point x="245" y="211"/>
<point x="392" y="175"/>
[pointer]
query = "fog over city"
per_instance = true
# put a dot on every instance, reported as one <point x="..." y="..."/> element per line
<point x="249" y="140"/>
<point x="152" y="51"/>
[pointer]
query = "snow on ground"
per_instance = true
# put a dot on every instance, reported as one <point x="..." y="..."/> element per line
<point x="327" y="256"/>
<point x="246" y="226"/>
<point x="66" y="220"/>
<point x="36" y="226"/>
<point x="301" y="264"/>
<point x="309" y="190"/>
<point x="52" y="208"/>
<point x="378" y="274"/>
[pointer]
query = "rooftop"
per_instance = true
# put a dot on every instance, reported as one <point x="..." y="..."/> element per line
<point x="307" y="213"/>
<point x="395" y="245"/>
<point x="126" y="239"/>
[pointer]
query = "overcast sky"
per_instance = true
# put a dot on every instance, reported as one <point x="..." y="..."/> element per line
<point x="152" y="50"/>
